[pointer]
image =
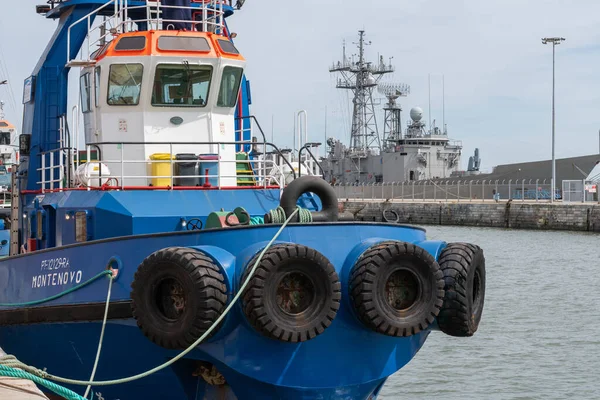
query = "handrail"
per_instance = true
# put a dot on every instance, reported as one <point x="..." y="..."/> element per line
<point x="196" y="143"/>
<point x="252" y="117"/>
<point x="274" y="166"/>
<point x="123" y="17"/>
<point x="299" y="127"/>
<point x="86" y="17"/>
<point x="307" y="148"/>
<point x="265" y="143"/>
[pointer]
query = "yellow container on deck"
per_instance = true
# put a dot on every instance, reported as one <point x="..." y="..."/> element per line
<point x="161" y="166"/>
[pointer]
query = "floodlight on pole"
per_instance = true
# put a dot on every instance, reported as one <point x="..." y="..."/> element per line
<point x="554" y="41"/>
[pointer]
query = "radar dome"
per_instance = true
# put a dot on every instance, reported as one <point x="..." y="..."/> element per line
<point x="416" y="114"/>
<point x="370" y="81"/>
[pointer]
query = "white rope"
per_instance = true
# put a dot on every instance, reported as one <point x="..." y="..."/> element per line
<point x="87" y="391"/>
<point x="196" y="343"/>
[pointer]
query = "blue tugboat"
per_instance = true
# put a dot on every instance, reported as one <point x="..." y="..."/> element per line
<point x="170" y="239"/>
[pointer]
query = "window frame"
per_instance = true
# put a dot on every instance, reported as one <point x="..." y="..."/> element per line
<point x="166" y="38"/>
<point x="131" y="39"/>
<point x="232" y="51"/>
<point x="7" y="135"/>
<point x="88" y="97"/>
<point x="109" y="85"/>
<point x="97" y="85"/>
<point x="239" y="86"/>
<point x="192" y="106"/>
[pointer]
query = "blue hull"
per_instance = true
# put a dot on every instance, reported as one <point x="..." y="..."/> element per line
<point x="331" y="366"/>
<point x="69" y="350"/>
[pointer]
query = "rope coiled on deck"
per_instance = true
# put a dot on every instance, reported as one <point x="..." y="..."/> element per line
<point x="278" y="215"/>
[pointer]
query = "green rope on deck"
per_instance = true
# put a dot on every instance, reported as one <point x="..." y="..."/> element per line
<point x="305" y="216"/>
<point x="56" y="296"/>
<point x="59" y="390"/>
<point x="278" y="215"/>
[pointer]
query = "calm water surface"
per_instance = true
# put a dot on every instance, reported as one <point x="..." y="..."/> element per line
<point x="539" y="337"/>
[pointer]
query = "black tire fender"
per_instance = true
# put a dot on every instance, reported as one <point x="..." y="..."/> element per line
<point x="177" y="295"/>
<point x="285" y="314"/>
<point x="463" y="266"/>
<point x="396" y="288"/>
<point x="318" y="186"/>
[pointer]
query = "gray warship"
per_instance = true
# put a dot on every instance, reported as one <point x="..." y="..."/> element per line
<point x="415" y="153"/>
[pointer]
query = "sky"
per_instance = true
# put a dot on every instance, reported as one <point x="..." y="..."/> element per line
<point x="497" y="72"/>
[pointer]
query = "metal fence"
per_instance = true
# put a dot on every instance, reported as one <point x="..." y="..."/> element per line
<point x="525" y="190"/>
<point x="579" y="191"/>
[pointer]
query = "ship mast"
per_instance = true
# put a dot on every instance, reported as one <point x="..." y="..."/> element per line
<point x="392" y="130"/>
<point x="362" y="78"/>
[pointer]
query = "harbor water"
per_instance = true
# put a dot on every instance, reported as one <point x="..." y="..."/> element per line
<point x="539" y="337"/>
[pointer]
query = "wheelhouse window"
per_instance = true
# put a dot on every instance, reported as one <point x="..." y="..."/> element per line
<point x="181" y="85"/>
<point x="97" y="76"/>
<point x="230" y="87"/>
<point x="85" y="89"/>
<point x="5" y="138"/>
<point x="125" y="84"/>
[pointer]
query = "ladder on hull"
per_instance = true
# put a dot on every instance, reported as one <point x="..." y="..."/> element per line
<point x="245" y="173"/>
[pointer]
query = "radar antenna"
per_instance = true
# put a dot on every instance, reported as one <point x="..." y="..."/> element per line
<point x="392" y="130"/>
<point x="362" y="77"/>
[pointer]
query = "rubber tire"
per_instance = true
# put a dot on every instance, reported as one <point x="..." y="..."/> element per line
<point x="461" y="313"/>
<point x="311" y="184"/>
<point x="260" y="297"/>
<point x="204" y="288"/>
<point x="368" y="280"/>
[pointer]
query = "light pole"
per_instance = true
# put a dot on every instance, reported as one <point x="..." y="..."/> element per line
<point x="4" y="82"/>
<point x="554" y="41"/>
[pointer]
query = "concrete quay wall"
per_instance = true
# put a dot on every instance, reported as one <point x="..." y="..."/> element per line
<point x="512" y="215"/>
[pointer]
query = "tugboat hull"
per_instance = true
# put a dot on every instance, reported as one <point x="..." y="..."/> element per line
<point x="348" y="360"/>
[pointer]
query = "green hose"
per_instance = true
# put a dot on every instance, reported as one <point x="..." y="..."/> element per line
<point x="59" y="390"/>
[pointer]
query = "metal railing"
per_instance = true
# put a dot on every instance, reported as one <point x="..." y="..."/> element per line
<point x="125" y="18"/>
<point x="310" y="162"/>
<point x="5" y="199"/>
<point x="59" y="168"/>
<point x="524" y="190"/>
<point x="276" y="156"/>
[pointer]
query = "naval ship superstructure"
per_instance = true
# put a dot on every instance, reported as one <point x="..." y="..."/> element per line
<point x="417" y="153"/>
